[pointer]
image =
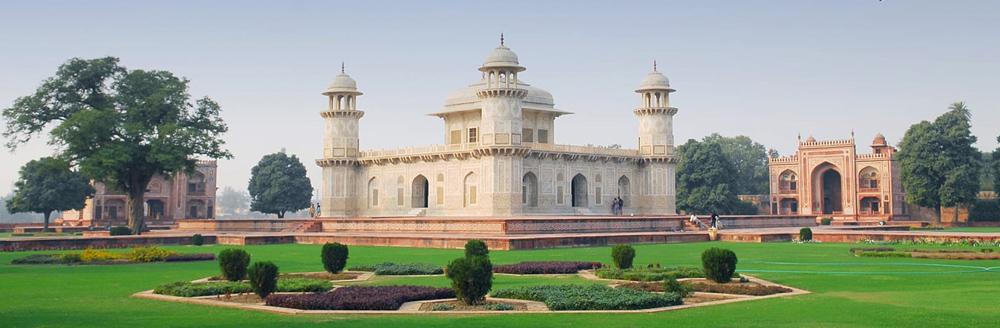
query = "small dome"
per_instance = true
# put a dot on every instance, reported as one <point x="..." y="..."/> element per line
<point x="879" y="140"/>
<point x="810" y="139"/>
<point x="655" y="81"/>
<point x="342" y="83"/>
<point x="502" y="57"/>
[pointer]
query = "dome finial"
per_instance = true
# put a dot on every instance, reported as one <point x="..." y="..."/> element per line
<point x="342" y="67"/>
<point x="654" y="65"/>
<point x="501" y="38"/>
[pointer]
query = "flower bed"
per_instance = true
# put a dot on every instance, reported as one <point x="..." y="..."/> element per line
<point x="189" y="257"/>
<point x="544" y="267"/>
<point x="399" y="269"/>
<point x="142" y="254"/>
<point x="647" y="274"/>
<point x="592" y="297"/>
<point x="385" y="298"/>
<point x="736" y="288"/>
<point x="872" y="249"/>
<point x="881" y="254"/>
<point x="285" y="285"/>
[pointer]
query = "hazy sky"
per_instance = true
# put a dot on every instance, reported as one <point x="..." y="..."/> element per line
<point x="766" y="69"/>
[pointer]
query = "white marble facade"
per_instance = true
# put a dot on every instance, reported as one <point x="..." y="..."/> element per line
<point x="499" y="157"/>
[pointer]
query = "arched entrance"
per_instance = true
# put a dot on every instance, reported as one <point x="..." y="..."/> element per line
<point x="529" y="190"/>
<point x="154" y="209"/>
<point x="869" y="205"/>
<point x="624" y="187"/>
<point x="195" y="209"/>
<point x="419" y="191"/>
<point x="828" y="193"/>
<point x="579" y="190"/>
<point x="789" y="206"/>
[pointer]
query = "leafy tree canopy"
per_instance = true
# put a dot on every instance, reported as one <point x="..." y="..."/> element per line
<point x="278" y="184"/>
<point x="938" y="164"/>
<point x="995" y="164"/>
<point x="750" y="160"/>
<point x="48" y="185"/>
<point x="705" y="180"/>
<point x="120" y="126"/>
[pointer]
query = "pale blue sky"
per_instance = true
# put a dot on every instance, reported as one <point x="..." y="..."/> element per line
<point x="765" y="69"/>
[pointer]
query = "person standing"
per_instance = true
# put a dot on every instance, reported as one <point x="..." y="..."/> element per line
<point x="621" y="205"/>
<point x="715" y="220"/>
<point x="319" y="212"/>
<point x="614" y="205"/>
<point x="312" y="210"/>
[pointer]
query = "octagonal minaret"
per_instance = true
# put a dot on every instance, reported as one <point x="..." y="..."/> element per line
<point x="340" y="146"/>
<point x="656" y="143"/>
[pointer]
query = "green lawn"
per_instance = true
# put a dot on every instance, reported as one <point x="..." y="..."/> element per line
<point x="865" y="293"/>
<point x="968" y="229"/>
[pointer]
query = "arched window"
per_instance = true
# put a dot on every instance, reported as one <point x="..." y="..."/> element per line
<point x="373" y="192"/>
<point x="788" y="181"/>
<point x="598" y="190"/>
<point x="868" y="178"/>
<point x="529" y="190"/>
<point x="470" y="186"/>
<point x="440" y="189"/>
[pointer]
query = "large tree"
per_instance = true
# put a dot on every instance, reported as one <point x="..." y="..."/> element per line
<point x="120" y="126"/>
<point x="995" y="166"/>
<point x="750" y="162"/>
<point x="705" y="180"/>
<point x="939" y="166"/>
<point x="278" y="184"/>
<point x="48" y="185"/>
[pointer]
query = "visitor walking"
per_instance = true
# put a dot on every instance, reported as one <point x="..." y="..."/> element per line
<point x="715" y="220"/>
<point x="312" y="210"/>
<point x="319" y="212"/>
<point x="621" y="205"/>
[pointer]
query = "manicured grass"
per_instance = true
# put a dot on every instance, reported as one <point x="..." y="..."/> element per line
<point x="969" y="229"/>
<point x="886" y="296"/>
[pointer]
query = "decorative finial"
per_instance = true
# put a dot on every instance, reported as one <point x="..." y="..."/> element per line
<point x="852" y="133"/>
<point x="342" y="67"/>
<point x="800" y="137"/>
<point x="654" y="65"/>
<point x="501" y="38"/>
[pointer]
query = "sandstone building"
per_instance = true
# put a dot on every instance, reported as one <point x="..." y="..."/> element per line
<point x="499" y="156"/>
<point x="830" y="179"/>
<point x="167" y="200"/>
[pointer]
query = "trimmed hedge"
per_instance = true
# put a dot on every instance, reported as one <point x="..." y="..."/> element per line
<point x="197" y="239"/>
<point x="234" y="262"/>
<point x="385" y="298"/>
<point x="671" y="285"/>
<point x="741" y="289"/>
<point x="400" y="269"/>
<point x="471" y="278"/>
<point x="719" y="264"/>
<point x="623" y="256"/>
<point x="263" y="278"/>
<point x="476" y="247"/>
<point x="334" y="257"/>
<point x="285" y="285"/>
<point x="591" y="297"/>
<point x="39" y="259"/>
<point x="638" y="274"/>
<point x="985" y="210"/>
<point x="881" y="254"/>
<point x="120" y="231"/>
<point x="805" y="234"/>
<point x="872" y="249"/>
<point x="189" y="257"/>
<point x="544" y="267"/>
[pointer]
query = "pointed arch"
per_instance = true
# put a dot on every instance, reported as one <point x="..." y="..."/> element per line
<point x="373" y="192"/>
<point x="579" y="190"/>
<point x="470" y="189"/>
<point x="529" y="190"/>
<point x="418" y="192"/>
<point x="827" y="191"/>
<point x="625" y="190"/>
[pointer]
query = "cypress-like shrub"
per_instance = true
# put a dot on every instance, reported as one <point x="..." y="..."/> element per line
<point x="805" y="234"/>
<point x="197" y="240"/>
<point x="476" y="247"/>
<point x="671" y="285"/>
<point x="623" y="256"/>
<point x="233" y="263"/>
<point x="120" y="231"/>
<point x="719" y="264"/>
<point x="263" y="277"/>
<point x="985" y="210"/>
<point x="471" y="278"/>
<point x="334" y="257"/>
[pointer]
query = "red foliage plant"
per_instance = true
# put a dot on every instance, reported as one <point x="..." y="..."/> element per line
<point x="370" y="298"/>
<point x="543" y="267"/>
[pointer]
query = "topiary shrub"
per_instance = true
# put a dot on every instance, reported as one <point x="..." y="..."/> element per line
<point x="805" y="234"/>
<point x="476" y="247"/>
<point x="334" y="257"/>
<point x="825" y="221"/>
<point x="197" y="240"/>
<point x="471" y="278"/>
<point x="623" y="256"/>
<point x="120" y="231"/>
<point x="263" y="277"/>
<point x="233" y="263"/>
<point x="671" y="285"/>
<point x="719" y="264"/>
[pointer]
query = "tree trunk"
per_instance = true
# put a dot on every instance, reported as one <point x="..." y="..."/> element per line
<point x="938" y="223"/>
<point x="281" y="215"/>
<point x="956" y="214"/>
<point x="45" y="228"/>
<point x="133" y="201"/>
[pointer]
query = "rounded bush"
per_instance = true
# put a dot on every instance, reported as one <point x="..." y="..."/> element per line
<point x="197" y="240"/>
<point x="120" y="231"/>
<point x="719" y="264"/>
<point x="476" y="247"/>
<point x="234" y="262"/>
<point x="263" y="277"/>
<point x="623" y="256"/>
<point x="671" y="285"/>
<point x="805" y="234"/>
<point x="471" y="278"/>
<point x="334" y="257"/>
